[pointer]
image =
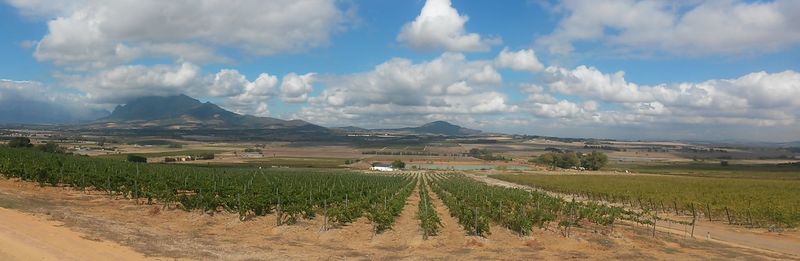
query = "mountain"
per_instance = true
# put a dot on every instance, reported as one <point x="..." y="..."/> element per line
<point x="432" y="128"/>
<point x="184" y="112"/>
<point x="445" y="128"/>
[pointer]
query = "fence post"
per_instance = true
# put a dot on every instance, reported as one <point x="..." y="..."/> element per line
<point x="694" y="218"/>
<point x="730" y="222"/>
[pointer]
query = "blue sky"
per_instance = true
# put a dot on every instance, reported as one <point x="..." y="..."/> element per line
<point x="615" y="69"/>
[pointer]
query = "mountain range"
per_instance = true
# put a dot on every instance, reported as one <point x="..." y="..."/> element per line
<point x="433" y="128"/>
<point x="184" y="112"/>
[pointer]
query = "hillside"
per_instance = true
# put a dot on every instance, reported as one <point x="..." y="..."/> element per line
<point x="433" y="128"/>
<point x="184" y="112"/>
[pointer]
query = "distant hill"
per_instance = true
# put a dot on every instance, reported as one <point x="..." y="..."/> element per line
<point x="184" y="112"/>
<point x="445" y="128"/>
<point x="433" y="128"/>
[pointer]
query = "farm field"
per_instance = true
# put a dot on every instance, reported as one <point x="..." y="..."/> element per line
<point x="286" y="212"/>
<point x="751" y="202"/>
<point x="123" y="156"/>
<point x="781" y="171"/>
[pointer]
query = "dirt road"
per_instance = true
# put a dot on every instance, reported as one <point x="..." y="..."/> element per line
<point x="27" y="237"/>
<point x="784" y="244"/>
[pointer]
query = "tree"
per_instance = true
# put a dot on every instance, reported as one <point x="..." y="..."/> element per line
<point x="398" y="164"/>
<point x="20" y="142"/>
<point x="568" y="160"/>
<point x="137" y="158"/>
<point x="549" y="159"/>
<point x="50" y="147"/>
<point x="594" y="161"/>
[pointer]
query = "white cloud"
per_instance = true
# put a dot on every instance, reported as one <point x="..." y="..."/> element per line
<point x="400" y="92"/>
<point x="439" y="26"/>
<point x="256" y="94"/>
<point x="295" y="88"/>
<point x="683" y="28"/>
<point x="94" y="34"/>
<point x="759" y="98"/>
<point x="588" y="81"/>
<point x="123" y="83"/>
<point x="119" y="84"/>
<point x="522" y="60"/>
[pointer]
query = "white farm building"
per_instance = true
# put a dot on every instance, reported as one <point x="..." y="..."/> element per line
<point x="382" y="167"/>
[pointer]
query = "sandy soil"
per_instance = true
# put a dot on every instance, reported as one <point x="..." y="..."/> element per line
<point x="25" y="237"/>
<point x="154" y="231"/>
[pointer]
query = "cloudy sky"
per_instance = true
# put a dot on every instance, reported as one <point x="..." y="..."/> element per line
<point x="700" y="70"/>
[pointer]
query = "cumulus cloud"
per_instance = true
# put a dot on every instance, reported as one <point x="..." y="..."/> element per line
<point x="400" y="92"/>
<point x="123" y="83"/>
<point x="439" y="26"/>
<point x="683" y="28"/>
<point x="522" y="60"/>
<point x="759" y="98"/>
<point x="588" y="81"/>
<point x="253" y="100"/>
<point x="295" y="88"/>
<point x="94" y="34"/>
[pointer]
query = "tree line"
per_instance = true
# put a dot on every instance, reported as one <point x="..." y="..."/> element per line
<point x="566" y="160"/>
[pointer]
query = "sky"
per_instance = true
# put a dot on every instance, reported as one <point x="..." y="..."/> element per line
<point x="625" y="69"/>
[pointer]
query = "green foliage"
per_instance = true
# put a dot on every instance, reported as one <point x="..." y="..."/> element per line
<point x="428" y="219"/>
<point x="748" y="201"/>
<point x="477" y="204"/>
<point x="137" y="159"/>
<point x="204" y="156"/>
<point x="50" y="147"/>
<point x="398" y="164"/>
<point x="593" y="161"/>
<point x="485" y="155"/>
<point x="20" y="142"/>
<point x="292" y="194"/>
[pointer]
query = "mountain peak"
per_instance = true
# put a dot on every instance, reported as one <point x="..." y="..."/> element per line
<point x="183" y="111"/>
<point x="445" y="128"/>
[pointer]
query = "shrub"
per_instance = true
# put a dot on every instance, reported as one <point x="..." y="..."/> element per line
<point x="398" y="164"/>
<point x="20" y="142"/>
<point x="50" y="147"/>
<point x="204" y="156"/>
<point x="137" y="159"/>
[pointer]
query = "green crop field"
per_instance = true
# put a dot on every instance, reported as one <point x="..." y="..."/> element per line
<point x="699" y="169"/>
<point x="293" y="194"/>
<point x="340" y="196"/>
<point x="736" y="200"/>
<point x="476" y="205"/>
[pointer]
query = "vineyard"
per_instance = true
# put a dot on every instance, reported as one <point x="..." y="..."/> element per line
<point x="429" y="220"/>
<point x="341" y="197"/>
<point x="477" y="206"/>
<point x="752" y="202"/>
